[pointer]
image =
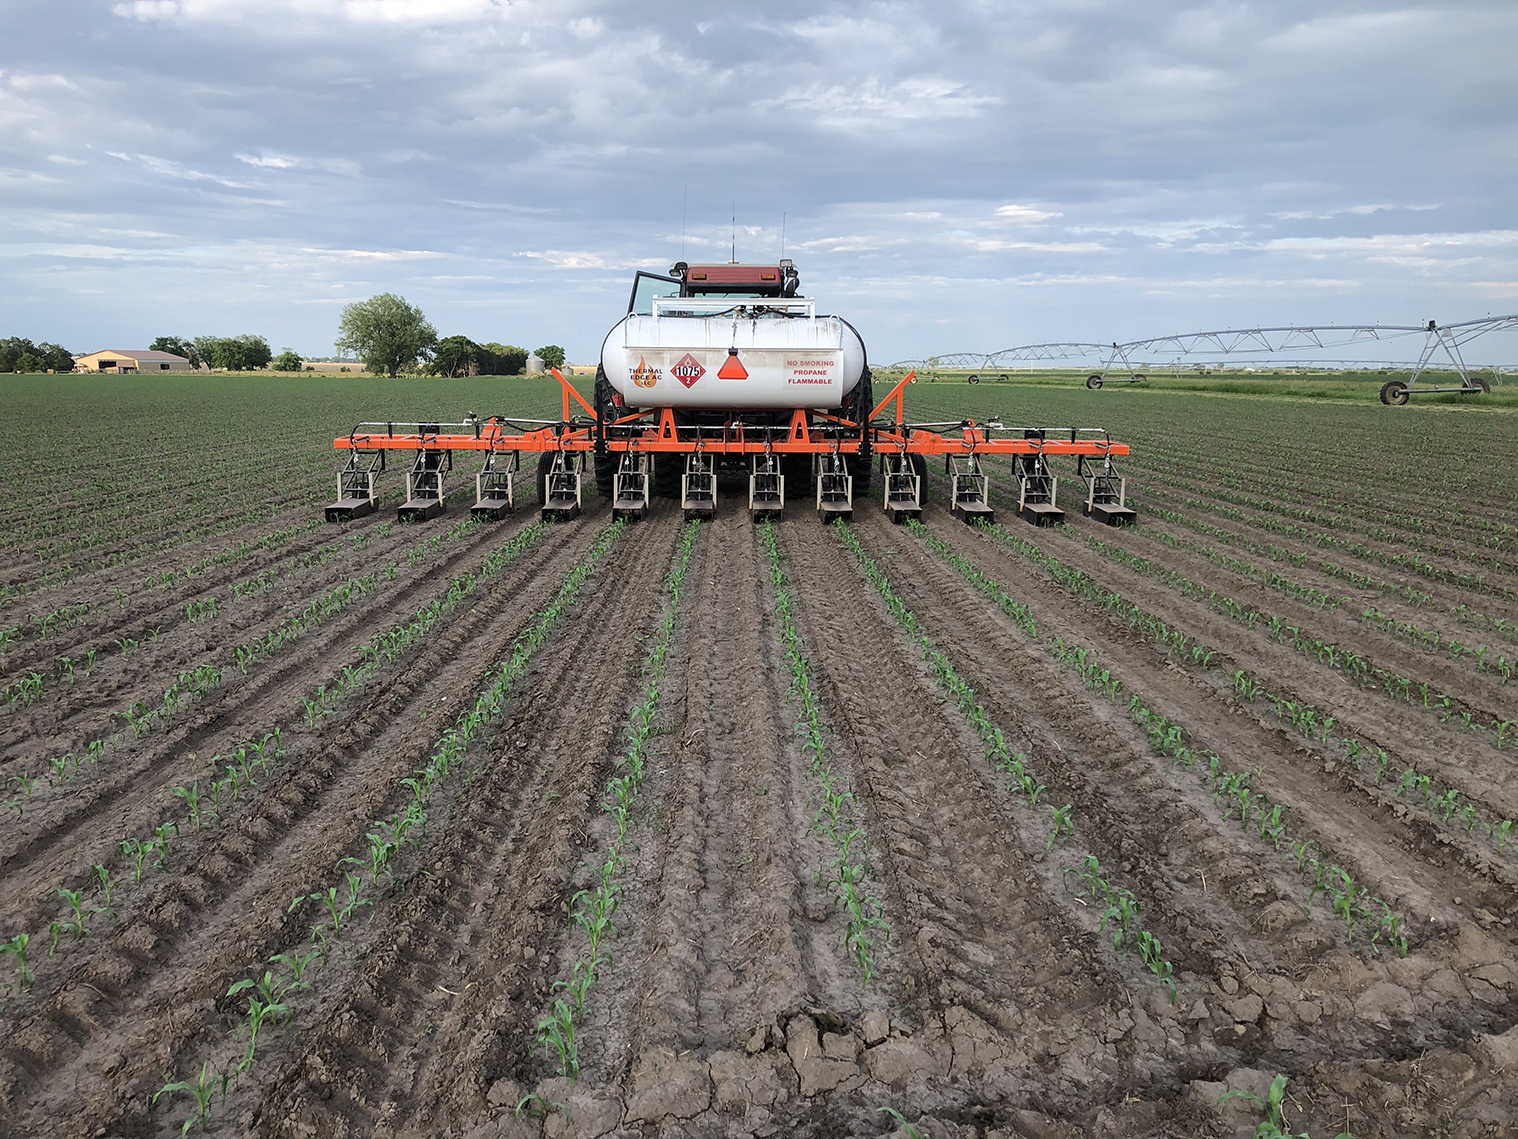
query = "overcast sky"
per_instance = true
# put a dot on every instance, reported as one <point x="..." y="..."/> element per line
<point x="952" y="176"/>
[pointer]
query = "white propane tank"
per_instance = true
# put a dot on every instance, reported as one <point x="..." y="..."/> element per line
<point x="677" y="358"/>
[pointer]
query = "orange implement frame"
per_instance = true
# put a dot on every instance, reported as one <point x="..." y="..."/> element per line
<point x="656" y="431"/>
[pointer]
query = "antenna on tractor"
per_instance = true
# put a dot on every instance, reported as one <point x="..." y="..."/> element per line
<point x="684" y="201"/>
<point x="782" y="235"/>
<point x="734" y="261"/>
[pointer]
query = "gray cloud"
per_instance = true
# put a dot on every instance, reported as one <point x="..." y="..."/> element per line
<point x="954" y="175"/>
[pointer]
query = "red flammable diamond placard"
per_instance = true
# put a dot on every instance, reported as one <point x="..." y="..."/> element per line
<point x="687" y="370"/>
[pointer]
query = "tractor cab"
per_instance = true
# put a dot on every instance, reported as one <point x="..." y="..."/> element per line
<point x="739" y="283"/>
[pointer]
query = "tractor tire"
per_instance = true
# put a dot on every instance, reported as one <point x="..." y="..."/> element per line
<point x="1394" y="393"/>
<point x="605" y="461"/>
<point x="798" y="478"/>
<point x="668" y="470"/>
<point x="545" y="464"/>
<point x="864" y="403"/>
<point x="1093" y="382"/>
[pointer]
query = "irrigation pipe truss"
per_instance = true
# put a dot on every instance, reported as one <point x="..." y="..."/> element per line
<point x="1248" y="343"/>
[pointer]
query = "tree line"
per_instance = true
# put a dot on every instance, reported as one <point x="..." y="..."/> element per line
<point x="388" y="335"/>
<point x="18" y="354"/>
<point x="391" y="335"/>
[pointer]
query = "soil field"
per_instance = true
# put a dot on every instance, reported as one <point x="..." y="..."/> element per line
<point x="714" y="829"/>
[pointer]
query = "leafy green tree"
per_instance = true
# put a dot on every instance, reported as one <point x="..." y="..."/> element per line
<point x="234" y="353"/>
<point x="29" y="363"/>
<point x="56" y="357"/>
<point x="178" y="346"/>
<point x="456" y="356"/>
<point x="44" y="356"/>
<point x="502" y="359"/>
<point x="552" y="356"/>
<point x="287" y="361"/>
<point x="387" y="333"/>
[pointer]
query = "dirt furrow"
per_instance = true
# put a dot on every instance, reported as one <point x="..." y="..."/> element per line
<point x="236" y="895"/>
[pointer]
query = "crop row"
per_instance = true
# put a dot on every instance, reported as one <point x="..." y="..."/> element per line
<point x="595" y="907"/>
<point x="1423" y="638"/>
<point x="835" y="816"/>
<point x="191" y="685"/>
<point x="387" y="836"/>
<point x="1366" y="513"/>
<point x="1399" y="591"/>
<point x="1309" y="721"/>
<point x="1118" y="905"/>
<point x="1409" y="561"/>
<point x="1353" y="665"/>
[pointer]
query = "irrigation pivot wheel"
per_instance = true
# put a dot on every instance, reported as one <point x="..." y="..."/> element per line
<point x="1093" y="382"/>
<point x="1394" y="392"/>
<point x="1486" y="388"/>
<point x="972" y="379"/>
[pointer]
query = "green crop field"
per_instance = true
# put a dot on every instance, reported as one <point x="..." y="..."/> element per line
<point x="721" y="828"/>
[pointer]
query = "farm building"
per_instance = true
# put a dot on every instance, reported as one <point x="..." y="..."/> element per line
<point x="135" y="361"/>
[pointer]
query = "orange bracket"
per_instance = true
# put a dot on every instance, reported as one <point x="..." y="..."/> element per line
<point x="896" y="394"/>
<point x="569" y="391"/>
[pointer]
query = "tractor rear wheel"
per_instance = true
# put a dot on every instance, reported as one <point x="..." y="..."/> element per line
<point x="605" y="461"/>
<point x="545" y="464"/>
<point x="668" y="470"/>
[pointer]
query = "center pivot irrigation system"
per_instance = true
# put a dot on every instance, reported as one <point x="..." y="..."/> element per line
<point x="1441" y="351"/>
<point x="725" y="367"/>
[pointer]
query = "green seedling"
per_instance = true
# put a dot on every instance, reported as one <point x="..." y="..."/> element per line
<point x="103" y="875"/>
<point x="161" y="838"/>
<point x="75" y="924"/>
<point x="1273" y="1126"/>
<point x="912" y="1132"/>
<point x="137" y="853"/>
<point x="201" y="1090"/>
<point x="1063" y="824"/>
<point x="191" y="797"/>
<point x="556" y="1031"/>
<point x="16" y="947"/>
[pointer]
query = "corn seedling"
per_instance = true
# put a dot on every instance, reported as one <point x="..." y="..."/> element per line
<point x="201" y="1091"/>
<point x="137" y="854"/>
<point x="1063" y="823"/>
<point x="103" y="876"/>
<point x="557" y="1031"/>
<point x="1273" y="1126"/>
<point x="75" y="924"/>
<point x="912" y="1132"/>
<point x="16" y="947"/>
<point x="191" y="797"/>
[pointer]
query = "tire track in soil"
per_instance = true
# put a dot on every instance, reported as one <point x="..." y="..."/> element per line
<point x="999" y="969"/>
<point x="1407" y="865"/>
<point x="729" y="930"/>
<point x="1142" y="824"/>
<point x="193" y="936"/>
<point x="450" y="957"/>
<point x="132" y="799"/>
